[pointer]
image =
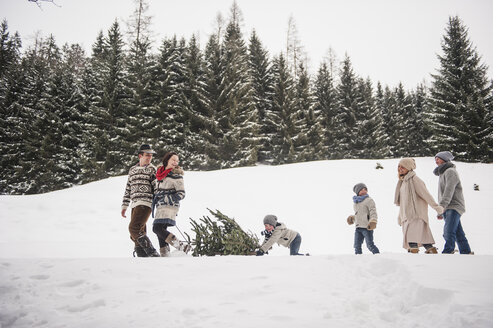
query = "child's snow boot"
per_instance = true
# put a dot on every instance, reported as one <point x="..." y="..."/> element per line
<point x="413" y="250"/>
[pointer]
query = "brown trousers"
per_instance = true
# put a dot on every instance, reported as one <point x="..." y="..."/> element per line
<point x="138" y="220"/>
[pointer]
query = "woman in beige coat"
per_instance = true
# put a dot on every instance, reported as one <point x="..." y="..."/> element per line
<point x="413" y="199"/>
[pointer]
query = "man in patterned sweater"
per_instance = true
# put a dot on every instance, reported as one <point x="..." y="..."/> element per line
<point x="139" y="193"/>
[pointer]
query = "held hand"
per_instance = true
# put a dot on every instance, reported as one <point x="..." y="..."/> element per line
<point x="372" y="225"/>
<point x="123" y="213"/>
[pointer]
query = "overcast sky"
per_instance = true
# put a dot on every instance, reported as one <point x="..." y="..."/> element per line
<point x="390" y="41"/>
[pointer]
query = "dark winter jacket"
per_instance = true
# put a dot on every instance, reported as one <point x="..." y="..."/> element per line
<point x="167" y="196"/>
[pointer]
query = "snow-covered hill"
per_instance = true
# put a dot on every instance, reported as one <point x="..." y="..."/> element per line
<point x="65" y="256"/>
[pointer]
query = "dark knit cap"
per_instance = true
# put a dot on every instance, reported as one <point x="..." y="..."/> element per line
<point x="270" y="219"/>
<point x="357" y="188"/>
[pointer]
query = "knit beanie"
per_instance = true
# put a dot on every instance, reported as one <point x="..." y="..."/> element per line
<point x="270" y="219"/>
<point x="445" y="155"/>
<point x="408" y="163"/>
<point x="357" y="188"/>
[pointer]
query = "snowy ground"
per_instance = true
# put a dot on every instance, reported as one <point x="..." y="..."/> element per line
<point x="65" y="257"/>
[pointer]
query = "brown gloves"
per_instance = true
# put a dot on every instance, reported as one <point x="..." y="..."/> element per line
<point x="350" y="219"/>
<point x="372" y="225"/>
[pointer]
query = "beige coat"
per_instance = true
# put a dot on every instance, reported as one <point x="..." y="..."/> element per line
<point x="413" y="199"/>
<point x="282" y="235"/>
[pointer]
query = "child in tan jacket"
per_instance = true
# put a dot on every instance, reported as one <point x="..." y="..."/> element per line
<point x="364" y="218"/>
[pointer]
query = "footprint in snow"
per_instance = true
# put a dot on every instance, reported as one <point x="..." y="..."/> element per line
<point x="40" y="277"/>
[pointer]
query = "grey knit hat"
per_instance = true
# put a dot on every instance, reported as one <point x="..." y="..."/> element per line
<point x="445" y="155"/>
<point x="357" y="188"/>
<point x="270" y="219"/>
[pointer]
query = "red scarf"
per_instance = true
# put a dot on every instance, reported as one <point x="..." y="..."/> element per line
<point x="162" y="173"/>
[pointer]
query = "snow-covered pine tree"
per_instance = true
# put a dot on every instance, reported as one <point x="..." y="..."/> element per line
<point x="13" y="118"/>
<point x="402" y="118"/>
<point x="419" y="132"/>
<point x="325" y="104"/>
<point x="461" y="99"/>
<point x="308" y="141"/>
<point x="140" y="64"/>
<point x="215" y="96"/>
<point x="366" y="125"/>
<point x="201" y="121"/>
<point x="282" y="115"/>
<point x="118" y="153"/>
<point x="345" y="119"/>
<point x="112" y="145"/>
<point x="91" y="157"/>
<point x="43" y="141"/>
<point x="167" y="125"/>
<point x="72" y="116"/>
<point x="262" y="80"/>
<point x="238" y="116"/>
<point x="379" y="118"/>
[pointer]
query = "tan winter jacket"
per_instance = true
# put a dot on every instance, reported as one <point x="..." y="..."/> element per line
<point x="364" y="212"/>
<point x="282" y="235"/>
<point x="413" y="199"/>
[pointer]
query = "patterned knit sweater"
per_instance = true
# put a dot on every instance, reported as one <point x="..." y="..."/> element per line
<point x="139" y="188"/>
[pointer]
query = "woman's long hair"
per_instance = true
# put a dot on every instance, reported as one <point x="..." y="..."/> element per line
<point x="167" y="156"/>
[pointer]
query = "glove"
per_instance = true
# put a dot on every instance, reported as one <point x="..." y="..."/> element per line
<point x="350" y="219"/>
<point x="260" y="252"/>
<point x="372" y="225"/>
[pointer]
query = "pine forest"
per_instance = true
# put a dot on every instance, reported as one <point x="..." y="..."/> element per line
<point x="68" y="117"/>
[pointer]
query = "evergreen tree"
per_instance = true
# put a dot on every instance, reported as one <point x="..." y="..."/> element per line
<point x="140" y="65"/>
<point x="13" y="118"/>
<point x="461" y="99"/>
<point x="366" y="125"/>
<point x="325" y="105"/>
<point x="403" y="119"/>
<point x="238" y="119"/>
<point x="283" y="113"/>
<point x="215" y="97"/>
<point x="201" y="122"/>
<point x="419" y="132"/>
<point x="308" y="141"/>
<point x="345" y="120"/>
<point x="380" y="119"/>
<point x="262" y="80"/>
<point x="118" y="153"/>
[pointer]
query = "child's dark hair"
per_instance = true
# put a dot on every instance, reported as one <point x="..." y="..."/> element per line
<point x="167" y="156"/>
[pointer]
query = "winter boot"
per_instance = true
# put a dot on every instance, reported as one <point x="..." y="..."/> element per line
<point x="164" y="251"/>
<point x="139" y="251"/>
<point x="413" y="250"/>
<point x="181" y="246"/>
<point x="431" y="250"/>
<point x="146" y="244"/>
